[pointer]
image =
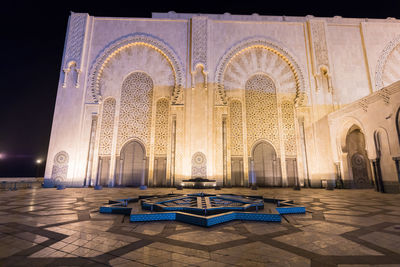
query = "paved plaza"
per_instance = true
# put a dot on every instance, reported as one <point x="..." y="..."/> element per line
<point x="49" y="227"/>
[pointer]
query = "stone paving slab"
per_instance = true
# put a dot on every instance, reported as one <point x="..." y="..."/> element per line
<point x="49" y="227"/>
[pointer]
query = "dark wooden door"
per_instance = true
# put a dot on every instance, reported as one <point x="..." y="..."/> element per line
<point x="265" y="164"/>
<point x="360" y="171"/>
<point x="160" y="171"/>
<point x="237" y="171"/>
<point x="133" y="156"/>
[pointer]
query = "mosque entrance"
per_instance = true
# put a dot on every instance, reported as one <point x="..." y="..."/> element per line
<point x="266" y="165"/>
<point x="133" y="157"/>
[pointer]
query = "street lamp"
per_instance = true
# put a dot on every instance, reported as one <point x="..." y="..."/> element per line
<point x="38" y="162"/>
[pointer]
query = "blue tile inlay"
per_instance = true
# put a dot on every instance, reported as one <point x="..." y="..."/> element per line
<point x="201" y="209"/>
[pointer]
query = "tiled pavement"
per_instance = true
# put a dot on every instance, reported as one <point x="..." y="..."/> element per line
<point x="46" y="227"/>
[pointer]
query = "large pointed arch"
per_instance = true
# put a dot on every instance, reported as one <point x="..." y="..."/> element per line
<point x="264" y="43"/>
<point x="113" y="49"/>
<point x="385" y="64"/>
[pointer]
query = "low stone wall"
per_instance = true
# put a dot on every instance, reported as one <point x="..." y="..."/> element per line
<point x="11" y="183"/>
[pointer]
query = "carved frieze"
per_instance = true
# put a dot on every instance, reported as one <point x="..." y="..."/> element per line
<point x="317" y="29"/>
<point x="75" y="39"/>
<point x="74" y="45"/>
<point x="199" y="42"/>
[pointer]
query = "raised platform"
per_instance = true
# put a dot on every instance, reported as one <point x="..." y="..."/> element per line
<point x="202" y="209"/>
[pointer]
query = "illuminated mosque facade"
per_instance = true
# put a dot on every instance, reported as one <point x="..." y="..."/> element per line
<point x="271" y="101"/>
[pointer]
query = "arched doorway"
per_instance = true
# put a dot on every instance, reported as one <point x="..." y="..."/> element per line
<point x="266" y="165"/>
<point x="357" y="158"/>
<point x="133" y="158"/>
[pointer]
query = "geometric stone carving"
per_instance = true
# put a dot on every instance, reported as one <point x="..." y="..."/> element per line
<point x="319" y="43"/>
<point x="260" y="82"/>
<point x="235" y="115"/>
<point x="323" y="79"/>
<point x="135" y="109"/>
<point x="384" y="94"/>
<point x="60" y="167"/>
<point x="363" y="103"/>
<point x="288" y="131"/>
<point x="107" y="126"/>
<point x="199" y="165"/>
<point x="199" y="42"/>
<point x="74" y="46"/>
<point x="161" y="127"/>
<point x="261" y="110"/>
<point x="75" y="39"/>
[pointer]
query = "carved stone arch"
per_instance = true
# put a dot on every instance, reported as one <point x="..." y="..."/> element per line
<point x="261" y="80"/>
<point x="388" y="60"/>
<point x="131" y="140"/>
<point x="115" y="47"/>
<point x="263" y="140"/>
<point x="260" y="43"/>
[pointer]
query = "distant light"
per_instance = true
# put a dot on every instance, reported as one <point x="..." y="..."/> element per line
<point x="2" y="155"/>
<point x="38" y="161"/>
<point x="214" y="184"/>
<point x="182" y="184"/>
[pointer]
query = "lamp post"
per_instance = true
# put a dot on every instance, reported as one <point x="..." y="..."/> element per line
<point x="38" y="162"/>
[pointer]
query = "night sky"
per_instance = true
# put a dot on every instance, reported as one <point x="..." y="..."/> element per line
<point x="32" y="42"/>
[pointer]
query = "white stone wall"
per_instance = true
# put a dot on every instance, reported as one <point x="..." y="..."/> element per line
<point x="335" y="62"/>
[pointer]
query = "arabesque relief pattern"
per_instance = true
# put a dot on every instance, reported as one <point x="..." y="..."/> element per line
<point x="135" y="110"/>
<point x="107" y="126"/>
<point x="236" y="125"/>
<point x="161" y="128"/>
<point x="288" y="130"/>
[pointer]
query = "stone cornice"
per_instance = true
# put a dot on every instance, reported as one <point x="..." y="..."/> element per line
<point x="380" y="95"/>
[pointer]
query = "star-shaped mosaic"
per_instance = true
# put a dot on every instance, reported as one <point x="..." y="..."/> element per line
<point x="202" y="209"/>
